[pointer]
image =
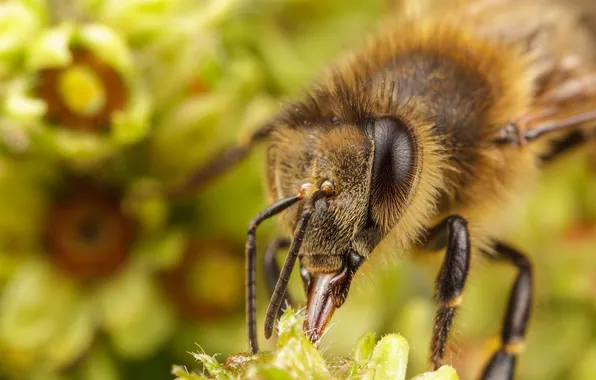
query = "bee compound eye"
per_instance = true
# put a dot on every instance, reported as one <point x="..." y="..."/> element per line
<point x="393" y="154"/>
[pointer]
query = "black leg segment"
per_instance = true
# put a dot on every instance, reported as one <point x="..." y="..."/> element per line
<point x="272" y="271"/>
<point x="450" y="283"/>
<point x="502" y="364"/>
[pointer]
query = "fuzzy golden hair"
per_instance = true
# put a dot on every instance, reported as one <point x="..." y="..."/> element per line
<point x="361" y="87"/>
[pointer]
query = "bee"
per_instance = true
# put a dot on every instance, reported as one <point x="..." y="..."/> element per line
<point x="430" y="133"/>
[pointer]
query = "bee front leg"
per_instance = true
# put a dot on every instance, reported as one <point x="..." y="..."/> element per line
<point x="272" y="270"/>
<point x="450" y="282"/>
<point x="502" y="364"/>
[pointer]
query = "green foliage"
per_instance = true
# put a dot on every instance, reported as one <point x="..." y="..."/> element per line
<point x="297" y="358"/>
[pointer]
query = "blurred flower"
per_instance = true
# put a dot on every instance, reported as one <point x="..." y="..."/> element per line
<point x="78" y="94"/>
<point x="81" y="260"/>
<point x="87" y="235"/>
<point x="208" y="282"/>
<point x="88" y="273"/>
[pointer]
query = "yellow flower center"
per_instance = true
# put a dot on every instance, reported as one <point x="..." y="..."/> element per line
<point x="215" y="280"/>
<point x="82" y="90"/>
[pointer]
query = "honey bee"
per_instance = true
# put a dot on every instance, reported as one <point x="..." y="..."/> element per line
<point x="430" y="133"/>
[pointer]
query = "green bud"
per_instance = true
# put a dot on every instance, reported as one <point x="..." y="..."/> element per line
<point x="182" y="373"/>
<point x="212" y="366"/>
<point x="444" y="373"/>
<point x="364" y="348"/>
<point x="289" y="327"/>
<point x="132" y="124"/>
<point x="389" y="359"/>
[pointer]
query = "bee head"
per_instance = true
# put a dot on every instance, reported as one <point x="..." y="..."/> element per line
<point x="367" y="171"/>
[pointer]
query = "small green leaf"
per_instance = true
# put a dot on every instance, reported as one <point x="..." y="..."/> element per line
<point x="182" y="373"/>
<point x="364" y="348"/>
<point x="389" y="359"/>
<point x="212" y="366"/>
<point x="444" y="373"/>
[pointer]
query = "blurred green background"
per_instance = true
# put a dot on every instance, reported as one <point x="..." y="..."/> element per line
<point x="103" y="103"/>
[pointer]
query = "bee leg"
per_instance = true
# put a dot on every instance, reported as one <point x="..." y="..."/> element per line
<point x="450" y="283"/>
<point x="566" y="144"/>
<point x="502" y="364"/>
<point x="272" y="270"/>
<point x="220" y="162"/>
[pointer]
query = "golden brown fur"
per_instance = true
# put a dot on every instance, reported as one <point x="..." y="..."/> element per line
<point x="454" y="79"/>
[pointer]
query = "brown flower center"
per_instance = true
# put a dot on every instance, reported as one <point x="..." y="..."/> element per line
<point x="87" y="234"/>
<point x="83" y="95"/>
<point x="209" y="281"/>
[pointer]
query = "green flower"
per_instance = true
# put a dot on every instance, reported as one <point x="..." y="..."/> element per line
<point x="108" y="262"/>
<point x="297" y="358"/>
<point x="83" y="274"/>
<point x="20" y="21"/>
<point x="79" y="94"/>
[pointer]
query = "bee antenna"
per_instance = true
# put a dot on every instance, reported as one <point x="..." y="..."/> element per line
<point x="284" y="277"/>
<point x="251" y="264"/>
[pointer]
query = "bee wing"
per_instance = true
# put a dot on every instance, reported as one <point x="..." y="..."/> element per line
<point x="559" y="36"/>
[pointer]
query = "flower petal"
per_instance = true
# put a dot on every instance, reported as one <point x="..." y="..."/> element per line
<point x="148" y="332"/>
<point x="33" y="303"/>
<point x="18" y="25"/>
<point x="135" y="314"/>
<point x="74" y="334"/>
<point x="132" y="123"/>
<point x="108" y="46"/>
<point x="51" y="49"/>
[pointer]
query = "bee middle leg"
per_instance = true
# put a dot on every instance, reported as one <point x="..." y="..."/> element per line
<point x="502" y="364"/>
<point x="272" y="270"/>
<point x="451" y="279"/>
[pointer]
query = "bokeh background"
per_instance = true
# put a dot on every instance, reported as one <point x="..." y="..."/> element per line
<point x="104" y="103"/>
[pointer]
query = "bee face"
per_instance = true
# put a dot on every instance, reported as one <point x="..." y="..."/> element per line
<point x="340" y="155"/>
<point x="370" y="167"/>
